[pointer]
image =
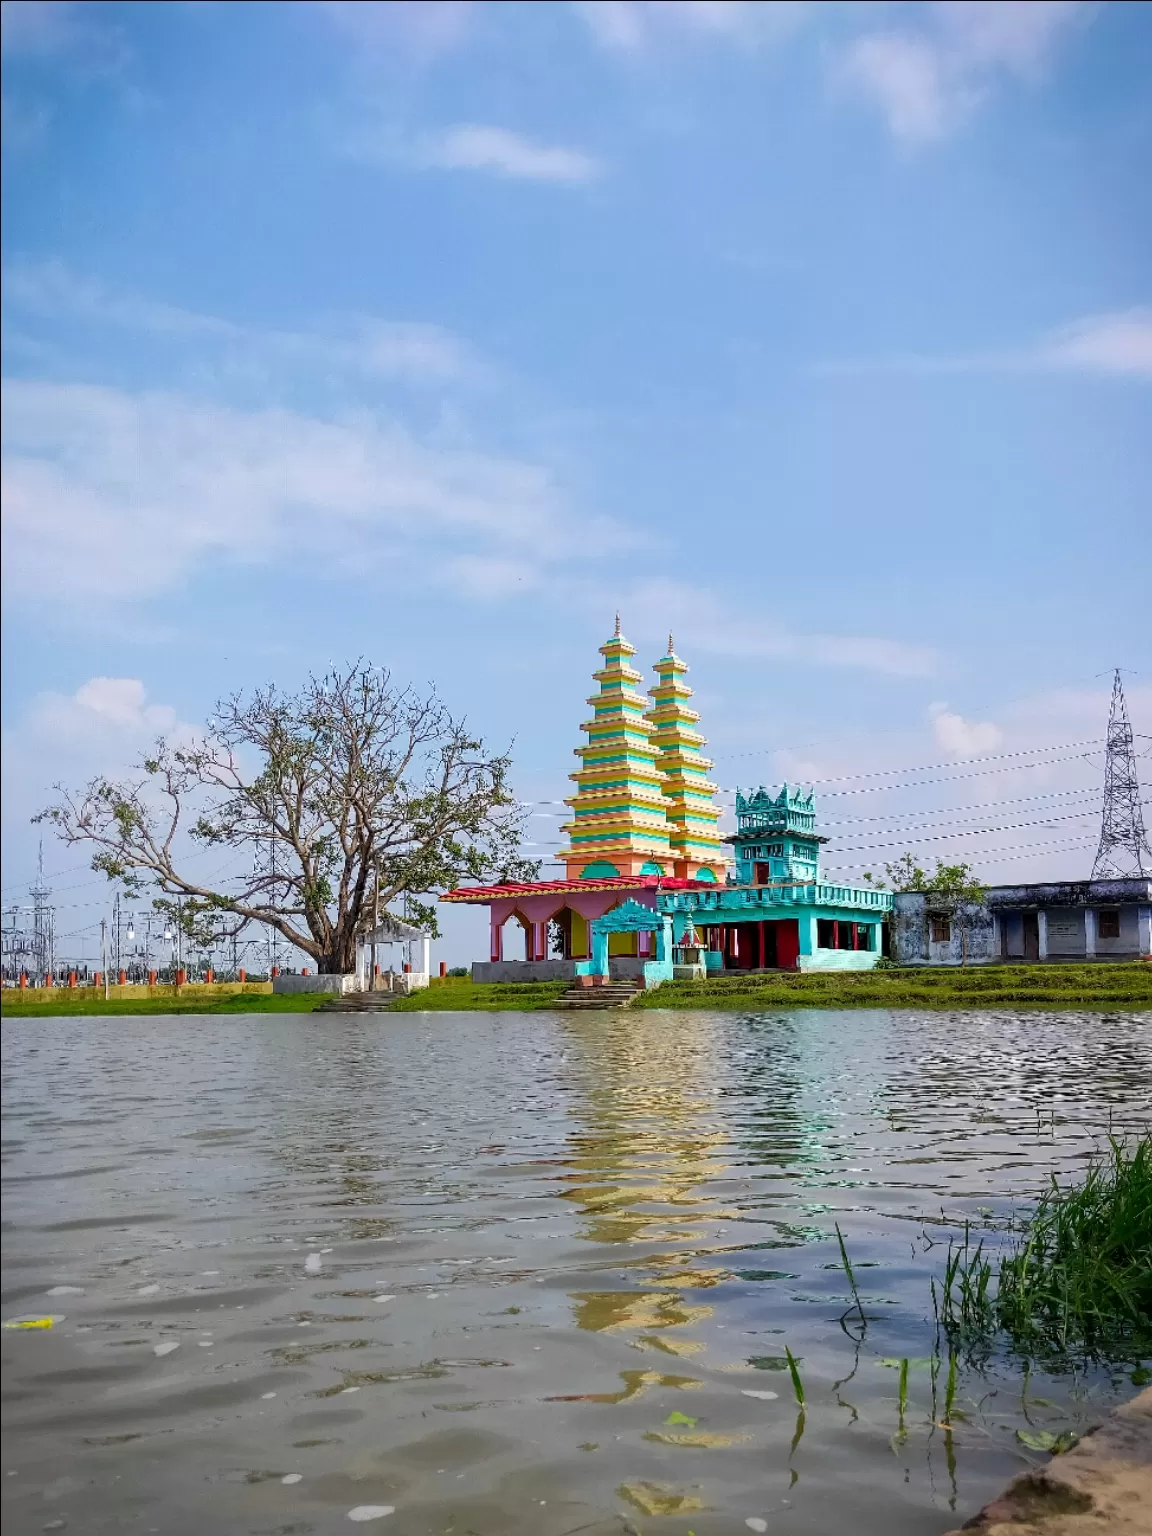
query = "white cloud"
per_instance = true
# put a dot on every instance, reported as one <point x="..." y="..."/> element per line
<point x="476" y="147"/>
<point x="1118" y="344"/>
<point x="710" y="624"/>
<point x="353" y="344"/>
<point x="927" y="81"/>
<point x="630" y="26"/>
<point x="142" y="490"/>
<point x="37" y="27"/>
<point x="967" y="738"/>
<point x="101" y="710"/>
<point x="50" y="28"/>
<point x="420" y="27"/>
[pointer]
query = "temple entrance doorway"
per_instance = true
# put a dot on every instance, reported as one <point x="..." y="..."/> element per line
<point x="762" y="946"/>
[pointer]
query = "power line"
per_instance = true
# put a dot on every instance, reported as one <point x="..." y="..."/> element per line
<point x="1056" y="746"/>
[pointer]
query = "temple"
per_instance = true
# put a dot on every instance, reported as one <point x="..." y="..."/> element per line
<point x="652" y="890"/>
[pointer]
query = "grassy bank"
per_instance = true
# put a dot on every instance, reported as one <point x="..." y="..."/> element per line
<point x="87" y="1001"/>
<point x="991" y="986"/>
<point x="999" y="986"/>
<point x="1073" y="1280"/>
<point x="994" y="986"/>
<point x="458" y="993"/>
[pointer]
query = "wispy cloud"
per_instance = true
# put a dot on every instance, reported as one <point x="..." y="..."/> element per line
<point x="89" y="471"/>
<point x="420" y="27"/>
<point x="478" y="147"/>
<point x="39" y="29"/>
<point x="715" y="625"/>
<point x="1118" y="344"/>
<point x="353" y="344"/>
<point x="632" y="26"/>
<point x="928" y="79"/>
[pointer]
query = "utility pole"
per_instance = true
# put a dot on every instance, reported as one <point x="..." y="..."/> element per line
<point x="104" y="954"/>
<point x="1123" y="849"/>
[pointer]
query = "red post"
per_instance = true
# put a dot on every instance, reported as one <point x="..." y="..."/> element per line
<point x="407" y="968"/>
<point x="48" y="982"/>
<point x="181" y="977"/>
<point x="275" y="972"/>
<point x="377" y="970"/>
<point x="209" y="975"/>
<point x="122" y="978"/>
<point x="242" y="974"/>
<point x="151" y="978"/>
<point x="305" y="972"/>
<point x="443" y="967"/>
<point x="23" y="979"/>
<point x="71" y="978"/>
<point x="98" y="979"/>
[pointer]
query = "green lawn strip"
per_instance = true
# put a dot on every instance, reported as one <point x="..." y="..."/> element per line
<point x="492" y="997"/>
<point x="93" y="1007"/>
<point x="1092" y="986"/>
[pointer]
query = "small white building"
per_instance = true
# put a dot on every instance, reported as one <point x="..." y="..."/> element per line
<point x="1061" y="920"/>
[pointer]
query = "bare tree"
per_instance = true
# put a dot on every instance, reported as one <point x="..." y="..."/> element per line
<point x="357" y="792"/>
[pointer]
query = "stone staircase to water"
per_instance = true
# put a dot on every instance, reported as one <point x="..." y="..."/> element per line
<point x="613" y="994"/>
<point x="359" y="1002"/>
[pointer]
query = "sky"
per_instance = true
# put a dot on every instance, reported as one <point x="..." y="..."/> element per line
<point x="438" y="334"/>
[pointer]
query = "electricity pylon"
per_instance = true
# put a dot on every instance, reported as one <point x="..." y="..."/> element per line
<point x="1123" y="846"/>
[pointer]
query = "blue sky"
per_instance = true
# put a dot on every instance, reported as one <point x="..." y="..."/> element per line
<point x="819" y="334"/>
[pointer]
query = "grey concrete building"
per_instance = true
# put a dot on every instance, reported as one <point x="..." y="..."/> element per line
<point x="1063" y="920"/>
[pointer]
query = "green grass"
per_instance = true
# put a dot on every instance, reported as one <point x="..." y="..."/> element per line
<point x="1074" y="1281"/>
<point x="83" y="1004"/>
<point x="1105" y="985"/>
<point x="1100" y="985"/>
<point x="459" y="993"/>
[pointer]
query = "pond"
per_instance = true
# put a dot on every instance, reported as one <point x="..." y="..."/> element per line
<point x="527" y="1274"/>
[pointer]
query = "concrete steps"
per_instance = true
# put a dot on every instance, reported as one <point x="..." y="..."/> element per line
<point x="613" y="994"/>
<point x="358" y="1002"/>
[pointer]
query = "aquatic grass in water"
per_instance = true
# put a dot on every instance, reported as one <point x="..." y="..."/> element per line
<point x="1076" y="1281"/>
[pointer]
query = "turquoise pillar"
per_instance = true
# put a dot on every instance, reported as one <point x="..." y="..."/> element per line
<point x="807" y="933"/>
<point x="599" y="954"/>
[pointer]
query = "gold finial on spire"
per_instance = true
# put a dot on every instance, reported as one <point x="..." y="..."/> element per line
<point x="617" y="626"/>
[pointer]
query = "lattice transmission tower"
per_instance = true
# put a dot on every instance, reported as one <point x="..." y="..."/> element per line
<point x="1123" y="846"/>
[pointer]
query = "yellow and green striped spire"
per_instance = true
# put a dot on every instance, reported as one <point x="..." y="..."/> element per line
<point x="619" y="822"/>
<point x="697" y="851"/>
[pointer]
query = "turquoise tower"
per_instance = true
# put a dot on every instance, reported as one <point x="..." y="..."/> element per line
<point x="776" y="841"/>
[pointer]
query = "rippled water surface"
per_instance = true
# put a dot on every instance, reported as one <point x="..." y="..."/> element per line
<point x="522" y="1274"/>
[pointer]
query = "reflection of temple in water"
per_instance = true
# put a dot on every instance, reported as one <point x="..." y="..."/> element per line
<point x="639" y="1171"/>
<point x="660" y="1137"/>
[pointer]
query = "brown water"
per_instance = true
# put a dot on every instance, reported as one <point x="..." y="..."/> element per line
<point x="522" y="1274"/>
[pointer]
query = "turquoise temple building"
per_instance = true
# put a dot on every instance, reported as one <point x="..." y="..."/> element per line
<point x="652" y="890"/>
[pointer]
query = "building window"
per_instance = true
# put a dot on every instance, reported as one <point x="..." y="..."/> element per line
<point x="845" y="935"/>
<point x="825" y="933"/>
<point x="1108" y="925"/>
<point x="863" y="935"/>
<point x="941" y="928"/>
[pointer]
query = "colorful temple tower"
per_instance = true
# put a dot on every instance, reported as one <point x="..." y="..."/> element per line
<point x="697" y="850"/>
<point x="619" y="820"/>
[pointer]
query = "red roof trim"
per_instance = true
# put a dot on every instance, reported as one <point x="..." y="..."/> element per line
<point x="484" y="893"/>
